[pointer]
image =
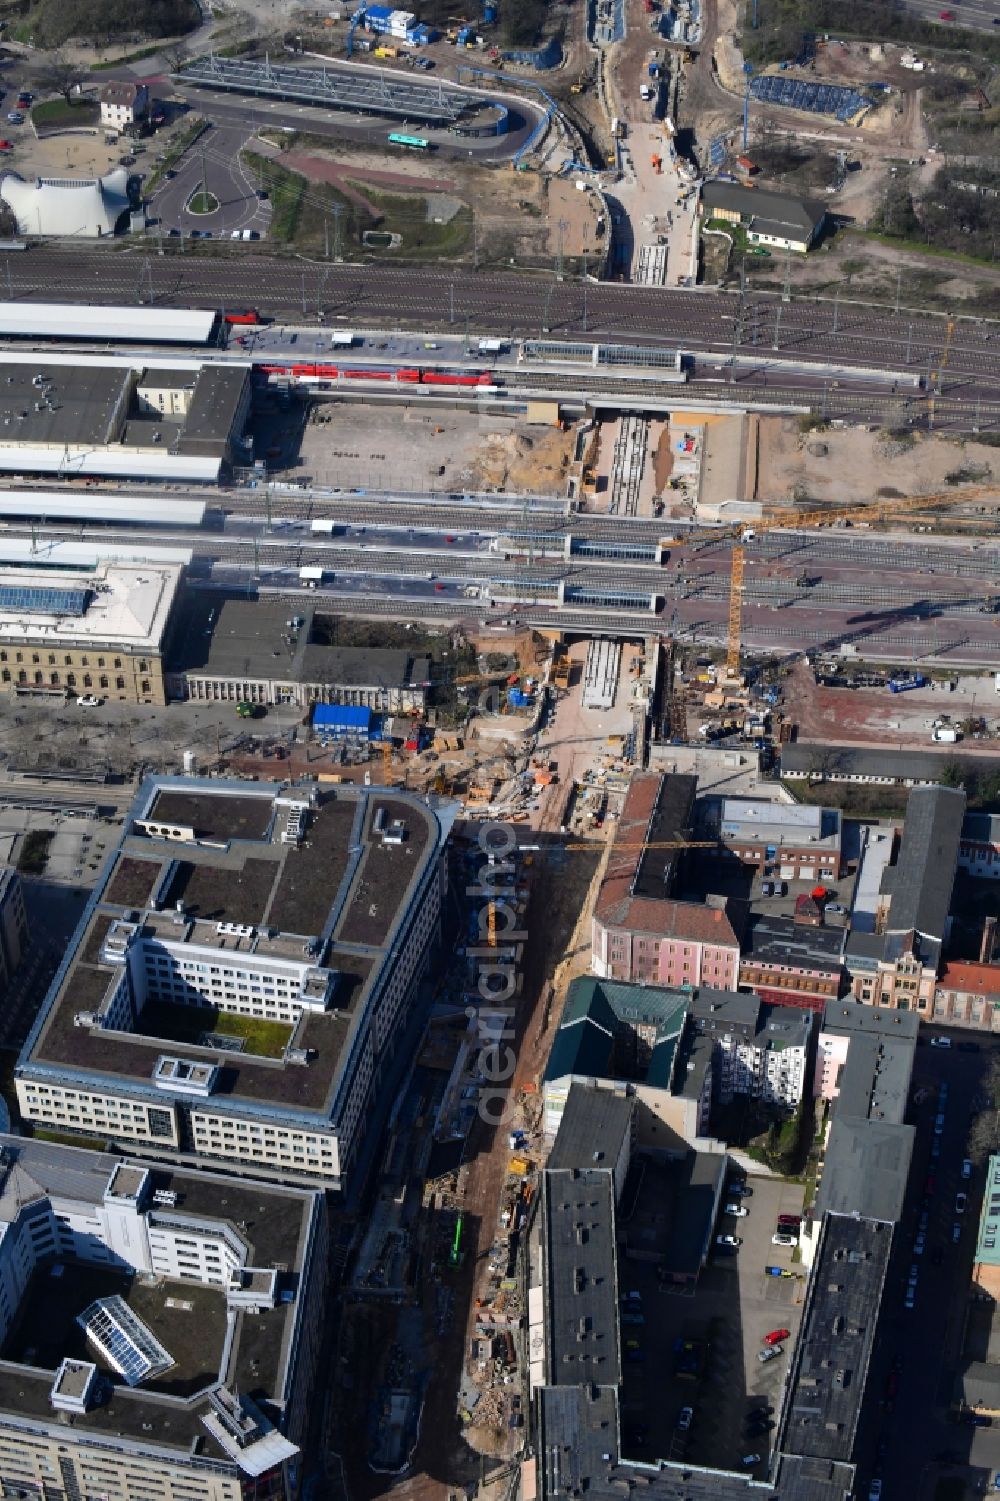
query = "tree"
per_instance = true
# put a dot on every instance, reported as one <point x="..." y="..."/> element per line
<point x="59" y="75"/>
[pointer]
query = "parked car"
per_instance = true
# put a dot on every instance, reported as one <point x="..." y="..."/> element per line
<point x="940" y="1042"/>
<point x="728" y="1240"/>
<point x="875" y="1490"/>
<point x="15" y="118"/>
<point x="776" y="1336"/>
<point x="750" y="1459"/>
<point x="779" y="1238"/>
<point x="89" y="701"/>
<point x="835" y="908"/>
<point x="770" y="1352"/>
<point x="685" y="1418"/>
<point x="737" y="1210"/>
<point x="793" y="1221"/>
<point x="960" y="1202"/>
<point x="956" y="1233"/>
<point x="977" y="1420"/>
<point x="966" y="1163"/>
<point x="919" y="1244"/>
<point x="738" y="1186"/>
<point x="767" y="888"/>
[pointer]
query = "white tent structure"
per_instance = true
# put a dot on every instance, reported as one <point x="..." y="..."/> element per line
<point x="62" y="206"/>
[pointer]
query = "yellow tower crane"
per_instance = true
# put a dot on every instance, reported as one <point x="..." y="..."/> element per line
<point x="880" y="510"/>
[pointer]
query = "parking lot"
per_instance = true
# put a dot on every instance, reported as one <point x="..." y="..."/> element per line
<point x="718" y="1328"/>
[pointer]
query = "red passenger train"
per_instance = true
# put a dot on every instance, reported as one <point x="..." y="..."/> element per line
<point x="403" y="376"/>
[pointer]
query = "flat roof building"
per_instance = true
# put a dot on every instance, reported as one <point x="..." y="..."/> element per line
<point x="74" y="320"/>
<point x="253" y="651"/>
<point x="99" y="630"/>
<point x="243" y="974"/>
<point x="797" y="841"/>
<point x="107" y="416"/>
<point x="161" y="1326"/>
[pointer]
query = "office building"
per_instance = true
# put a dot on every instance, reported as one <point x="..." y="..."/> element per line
<point x="253" y="651"/>
<point x="790" y="841"/>
<point x="161" y="1328"/>
<point x="99" y="630"/>
<point x="968" y="995"/>
<point x="243" y="976"/>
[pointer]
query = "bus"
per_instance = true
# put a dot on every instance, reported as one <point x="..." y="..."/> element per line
<point x="412" y="143"/>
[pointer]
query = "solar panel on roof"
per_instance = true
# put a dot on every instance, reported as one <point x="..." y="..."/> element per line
<point x="38" y="600"/>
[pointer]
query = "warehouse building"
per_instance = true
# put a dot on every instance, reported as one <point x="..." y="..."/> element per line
<point x="251" y="651"/>
<point x="87" y="415"/>
<point x="244" y="975"/>
<point x="97" y="630"/>
<point x="161" y="1327"/>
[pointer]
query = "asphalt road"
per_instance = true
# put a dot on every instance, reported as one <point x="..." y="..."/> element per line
<point x="249" y="111"/>
<point x="911" y="1425"/>
<point x="512" y="305"/>
<point x="971" y="15"/>
<point x="214" y="163"/>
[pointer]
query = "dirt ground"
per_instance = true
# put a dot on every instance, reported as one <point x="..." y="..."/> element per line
<point x="405" y="448"/>
<point x="558" y="920"/>
<point x="524" y="209"/>
<point x="874" y="716"/>
<point x="847" y="464"/>
<point x="535" y="460"/>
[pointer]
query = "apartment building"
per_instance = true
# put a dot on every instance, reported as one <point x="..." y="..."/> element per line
<point x="99" y="630"/>
<point x="758" y="1050"/>
<point x="639" y="931"/>
<point x="161" y="1328"/>
<point x="979" y="851"/>
<point x="792" y="963"/>
<point x="968" y="995"/>
<point x="897" y="964"/>
<point x="13" y="924"/>
<point x="241" y="979"/>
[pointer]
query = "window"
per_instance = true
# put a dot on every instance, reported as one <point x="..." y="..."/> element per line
<point x="144" y="686"/>
<point x="52" y="659"/>
<point x="88" y="681"/>
<point x="119" y="683"/>
<point x="104" y="680"/>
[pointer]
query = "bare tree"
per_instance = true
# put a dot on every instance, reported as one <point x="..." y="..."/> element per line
<point x="60" y="75"/>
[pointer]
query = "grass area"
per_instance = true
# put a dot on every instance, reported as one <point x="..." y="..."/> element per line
<point x="67" y="1139"/>
<point x="34" y="853"/>
<point x="187" y="1023"/>
<point x="59" y="113"/>
<point x="202" y="203"/>
<point x="127" y="57"/>
<point x="173" y="155"/>
<point x="305" y="215"/>
<point x="854" y="801"/>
